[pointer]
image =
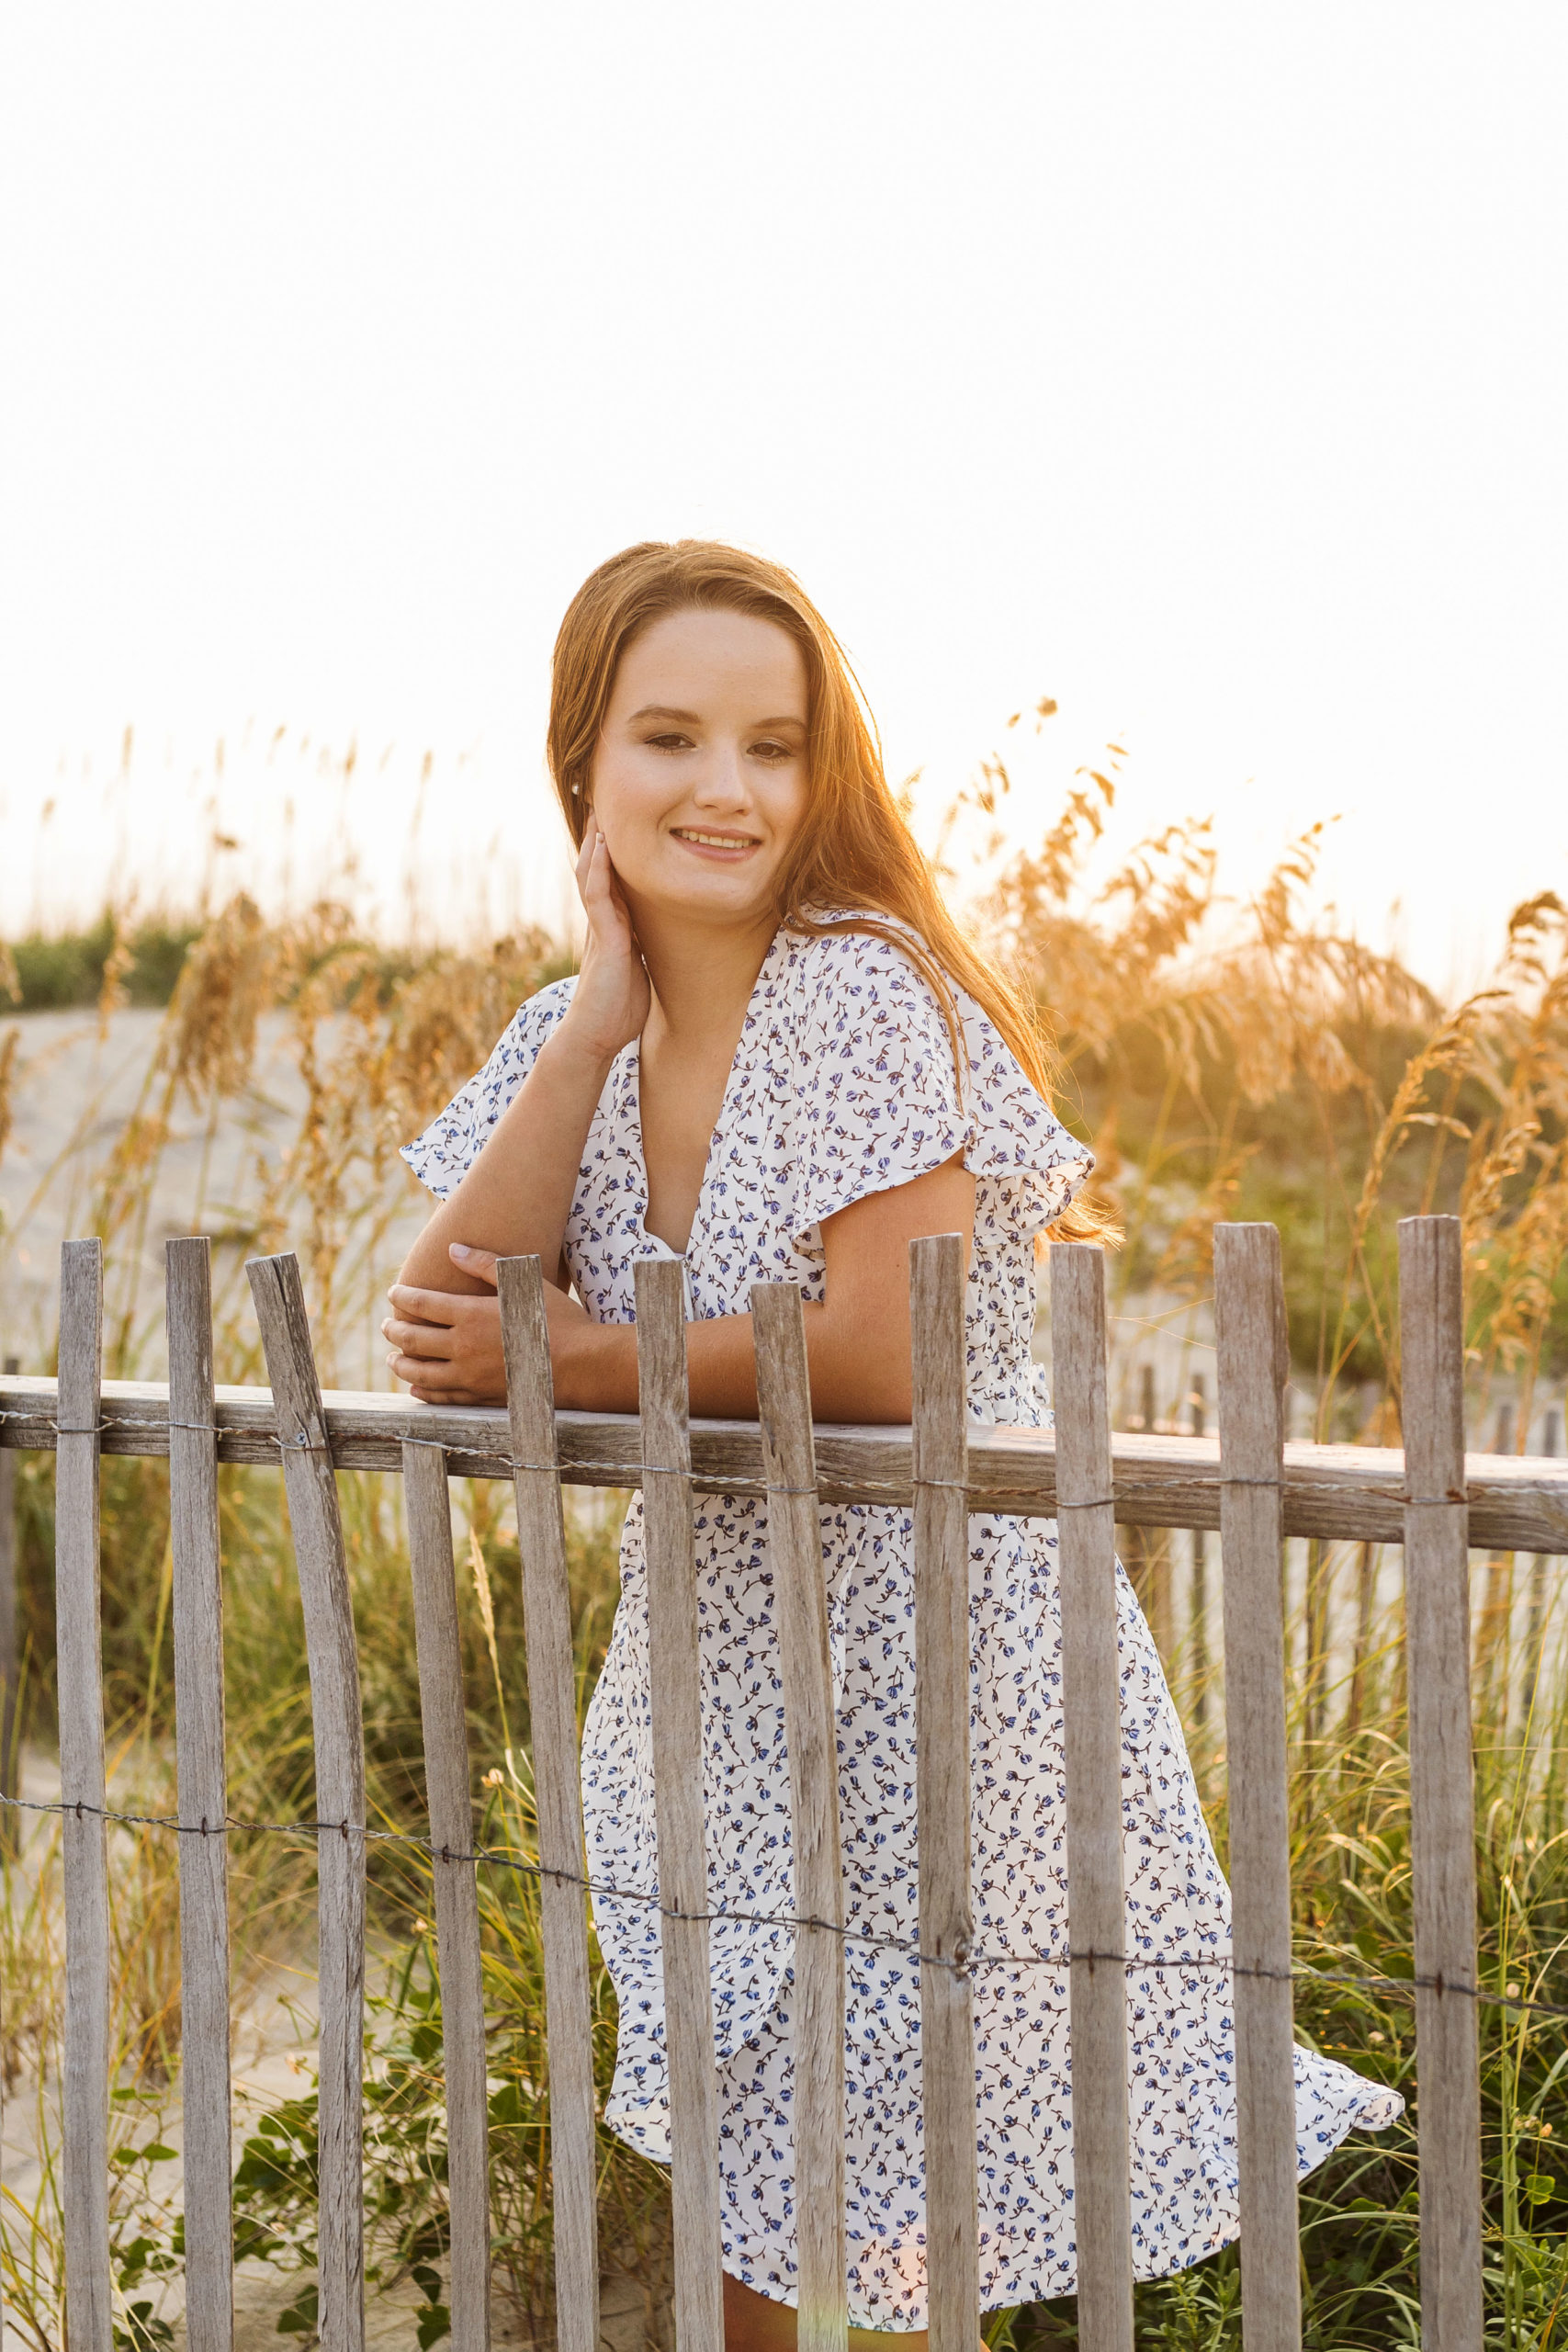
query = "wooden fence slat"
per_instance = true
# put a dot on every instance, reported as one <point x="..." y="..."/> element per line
<point x="1535" y="1632"/>
<point x="79" y="1669"/>
<point x="1253" y="1364"/>
<point x="938" y="1276"/>
<point x="678" y="1793"/>
<point x="1442" y="1787"/>
<point x="317" y="1530"/>
<point x="800" y="1603"/>
<point x="1198" y="1607"/>
<point x="10" y="1653"/>
<point x="203" y="1801"/>
<point x="1092" y="1703"/>
<point x="444" y="1722"/>
<point x="552" y="1707"/>
<point x="1146" y="1551"/>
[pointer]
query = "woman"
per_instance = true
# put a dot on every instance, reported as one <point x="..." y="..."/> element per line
<point x="781" y="1061"/>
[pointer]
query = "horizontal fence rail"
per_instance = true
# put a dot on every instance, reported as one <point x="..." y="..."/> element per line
<point x="1255" y="1489"/>
<point x="1352" y="1493"/>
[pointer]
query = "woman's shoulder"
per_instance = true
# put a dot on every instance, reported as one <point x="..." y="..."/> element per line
<point x="859" y="958"/>
<point x="875" y="1059"/>
<point x="854" y="1007"/>
<point x="550" y="1002"/>
<point x="454" y="1138"/>
<point x="534" y="1019"/>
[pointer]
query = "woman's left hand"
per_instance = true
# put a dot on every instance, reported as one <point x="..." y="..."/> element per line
<point x="447" y="1347"/>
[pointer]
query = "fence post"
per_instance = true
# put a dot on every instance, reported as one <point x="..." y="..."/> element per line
<point x="939" y="1278"/>
<point x="800" y="1601"/>
<point x="1252" y="1366"/>
<point x="1198" y="1604"/>
<point x="444" y="1723"/>
<point x="1442" y="1784"/>
<point x="1360" y="1654"/>
<point x="676" y="1701"/>
<point x="10" y="1652"/>
<point x="317" y="1530"/>
<point x="1491" y="1645"/>
<point x="83" y="1798"/>
<point x="203" y="1799"/>
<point x="552" y="1708"/>
<point x="1535" y="1634"/>
<point x="1097" y="1916"/>
<point x="1150" y="1546"/>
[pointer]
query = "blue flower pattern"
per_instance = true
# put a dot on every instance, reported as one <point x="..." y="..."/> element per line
<point x="842" y="1085"/>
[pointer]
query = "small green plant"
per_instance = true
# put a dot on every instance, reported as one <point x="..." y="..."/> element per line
<point x="145" y="2247"/>
<point x="276" y="2180"/>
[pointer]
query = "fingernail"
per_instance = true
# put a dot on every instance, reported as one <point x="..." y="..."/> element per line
<point x="460" y="1249"/>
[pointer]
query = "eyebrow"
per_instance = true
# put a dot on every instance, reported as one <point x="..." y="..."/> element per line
<point x="694" y="718"/>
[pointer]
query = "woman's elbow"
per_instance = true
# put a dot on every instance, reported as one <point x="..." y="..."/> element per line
<point x="428" y="1263"/>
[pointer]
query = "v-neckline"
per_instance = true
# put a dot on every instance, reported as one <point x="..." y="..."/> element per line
<point x="634" y="1066"/>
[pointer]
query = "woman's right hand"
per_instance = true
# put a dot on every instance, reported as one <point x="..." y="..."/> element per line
<point x="610" y="1002"/>
<point x="516" y="1197"/>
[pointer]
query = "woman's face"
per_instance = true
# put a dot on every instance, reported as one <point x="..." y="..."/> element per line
<point x="699" y="780"/>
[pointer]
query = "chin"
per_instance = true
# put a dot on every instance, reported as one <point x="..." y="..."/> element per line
<point x="730" y="895"/>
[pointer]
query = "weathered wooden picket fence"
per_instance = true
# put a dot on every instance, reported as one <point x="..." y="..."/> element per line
<point x="1250" y="1485"/>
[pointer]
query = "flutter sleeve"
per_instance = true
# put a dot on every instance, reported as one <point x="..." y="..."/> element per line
<point x="878" y="1100"/>
<point x="1031" y="1165"/>
<point x="442" y="1155"/>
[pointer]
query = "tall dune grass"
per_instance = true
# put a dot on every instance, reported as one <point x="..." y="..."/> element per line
<point x="1228" y="1059"/>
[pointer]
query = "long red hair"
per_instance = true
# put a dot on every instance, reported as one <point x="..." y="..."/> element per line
<point x="857" y="851"/>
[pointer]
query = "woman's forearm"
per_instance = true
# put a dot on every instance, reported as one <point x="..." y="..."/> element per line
<point x="516" y="1197"/>
<point x="851" y="1381"/>
<point x="448" y="1347"/>
<point x="856" y="1374"/>
<point x="857" y="1343"/>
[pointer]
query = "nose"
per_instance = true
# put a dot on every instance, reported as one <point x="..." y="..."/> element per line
<point x="723" y="784"/>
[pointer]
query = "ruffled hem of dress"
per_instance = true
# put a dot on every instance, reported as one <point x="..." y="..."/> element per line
<point x="643" y="2125"/>
<point x="421" y="1159"/>
<point x="1044" y="2275"/>
<point x="1035" y="1197"/>
<point x="857" y="1183"/>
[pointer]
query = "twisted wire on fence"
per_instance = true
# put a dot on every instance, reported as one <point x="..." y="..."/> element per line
<point x="962" y="1965"/>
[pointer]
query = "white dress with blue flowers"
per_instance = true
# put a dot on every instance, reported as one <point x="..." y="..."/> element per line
<point x="843" y="1085"/>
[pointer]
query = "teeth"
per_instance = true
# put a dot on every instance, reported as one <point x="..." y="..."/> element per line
<point x="714" y="841"/>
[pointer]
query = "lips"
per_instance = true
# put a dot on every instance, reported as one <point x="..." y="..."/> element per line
<point x="714" y="841"/>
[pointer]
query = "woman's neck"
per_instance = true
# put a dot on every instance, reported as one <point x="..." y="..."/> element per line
<point x="702" y="978"/>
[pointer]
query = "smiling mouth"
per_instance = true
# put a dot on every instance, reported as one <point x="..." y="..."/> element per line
<point x="714" y="841"/>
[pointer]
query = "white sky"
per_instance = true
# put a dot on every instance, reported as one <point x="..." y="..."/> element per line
<point x="1201" y="366"/>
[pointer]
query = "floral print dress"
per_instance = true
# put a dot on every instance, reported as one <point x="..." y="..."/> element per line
<point x="842" y="1085"/>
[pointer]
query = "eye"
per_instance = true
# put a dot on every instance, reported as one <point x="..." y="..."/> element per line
<point x="773" y="751"/>
<point x="668" y="742"/>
